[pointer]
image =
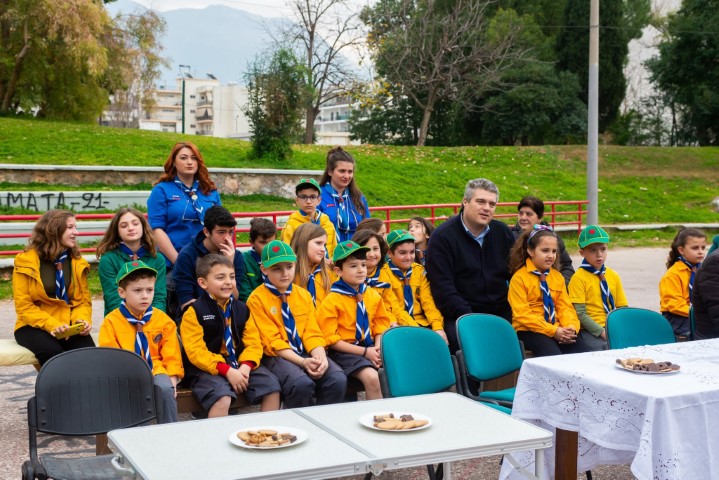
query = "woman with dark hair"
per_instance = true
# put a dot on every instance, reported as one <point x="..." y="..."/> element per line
<point x="50" y="289"/>
<point x="177" y="205"/>
<point x="342" y="201"/>
<point x="530" y="212"/>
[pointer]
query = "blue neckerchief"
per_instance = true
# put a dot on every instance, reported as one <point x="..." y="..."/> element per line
<point x="142" y="347"/>
<point x="311" y="283"/>
<point x="693" y="268"/>
<point x="141" y="252"/>
<point x="192" y="197"/>
<point x="227" y="334"/>
<point x="60" y="289"/>
<point x="289" y="321"/>
<point x="550" y="316"/>
<point x="607" y="298"/>
<point x="373" y="280"/>
<point x="404" y="277"/>
<point x="363" y="335"/>
<point x="315" y="220"/>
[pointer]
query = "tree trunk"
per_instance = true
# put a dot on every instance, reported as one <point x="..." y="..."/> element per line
<point x="424" y="126"/>
<point x="19" y="59"/>
<point x="310" y="125"/>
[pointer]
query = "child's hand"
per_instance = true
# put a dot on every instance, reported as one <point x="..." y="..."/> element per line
<point x="443" y="335"/>
<point x="60" y="329"/>
<point x="238" y="382"/>
<point x="373" y="356"/>
<point x="228" y="249"/>
<point x="175" y="380"/>
<point x="87" y="329"/>
<point x="245" y="370"/>
<point x="565" y="335"/>
<point x="314" y="367"/>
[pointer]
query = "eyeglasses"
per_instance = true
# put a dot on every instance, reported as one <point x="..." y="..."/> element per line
<point x="304" y="198"/>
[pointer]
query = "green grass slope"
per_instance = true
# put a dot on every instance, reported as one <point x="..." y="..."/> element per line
<point x="637" y="184"/>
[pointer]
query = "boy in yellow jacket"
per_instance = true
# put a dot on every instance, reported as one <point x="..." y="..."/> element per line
<point x="410" y="285"/>
<point x="308" y="198"/>
<point x="149" y="332"/>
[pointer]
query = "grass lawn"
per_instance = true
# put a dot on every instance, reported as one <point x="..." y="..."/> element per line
<point x="638" y="185"/>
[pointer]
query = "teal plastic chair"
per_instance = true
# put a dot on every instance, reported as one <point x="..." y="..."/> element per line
<point x="488" y="349"/>
<point x="634" y="327"/>
<point x="416" y="361"/>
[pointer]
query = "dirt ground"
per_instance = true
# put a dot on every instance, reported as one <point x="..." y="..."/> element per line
<point x="639" y="268"/>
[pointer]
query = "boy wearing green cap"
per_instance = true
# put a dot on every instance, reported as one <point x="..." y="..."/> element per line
<point x="283" y="316"/>
<point x="410" y="285"/>
<point x="308" y="198"/>
<point x="353" y="318"/>
<point x="594" y="289"/>
<point x="149" y="332"/>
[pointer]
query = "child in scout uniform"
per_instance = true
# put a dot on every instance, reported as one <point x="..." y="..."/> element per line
<point x="282" y="316"/>
<point x="410" y="284"/>
<point x="353" y="318"/>
<point x="308" y="198"/>
<point x="542" y="314"/>
<point x="595" y="290"/>
<point x="262" y="232"/>
<point x="136" y="326"/>
<point x="222" y="354"/>
<point x="379" y="278"/>
<point x="675" y="287"/>
<point x="312" y="270"/>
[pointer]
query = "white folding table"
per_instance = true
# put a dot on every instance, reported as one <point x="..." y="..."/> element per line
<point x="338" y="445"/>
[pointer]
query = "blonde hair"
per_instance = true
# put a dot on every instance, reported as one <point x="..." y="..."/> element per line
<point x="299" y="242"/>
<point x="46" y="237"/>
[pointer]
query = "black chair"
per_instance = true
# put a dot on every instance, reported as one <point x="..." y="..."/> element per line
<point x="84" y="392"/>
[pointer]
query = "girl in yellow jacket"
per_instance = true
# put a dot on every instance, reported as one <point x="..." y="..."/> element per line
<point x="50" y="289"/>
<point x="542" y="315"/>
<point x="313" y="272"/>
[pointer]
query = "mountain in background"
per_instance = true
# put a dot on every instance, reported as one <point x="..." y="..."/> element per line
<point x="216" y="39"/>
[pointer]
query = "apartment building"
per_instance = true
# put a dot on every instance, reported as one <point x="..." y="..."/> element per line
<point x="332" y="124"/>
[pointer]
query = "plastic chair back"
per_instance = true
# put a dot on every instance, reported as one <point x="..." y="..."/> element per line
<point x="489" y="346"/>
<point x="415" y="361"/>
<point x="634" y="327"/>
<point x="92" y="390"/>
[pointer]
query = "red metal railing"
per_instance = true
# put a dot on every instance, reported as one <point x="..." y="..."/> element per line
<point x="437" y="213"/>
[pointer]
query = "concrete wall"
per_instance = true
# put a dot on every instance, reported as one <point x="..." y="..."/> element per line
<point x="237" y="181"/>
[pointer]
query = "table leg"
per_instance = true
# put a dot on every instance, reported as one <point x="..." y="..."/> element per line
<point x="539" y="466"/>
<point x="447" y="471"/>
<point x="565" y="459"/>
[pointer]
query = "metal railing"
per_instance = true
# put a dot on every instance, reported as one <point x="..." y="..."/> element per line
<point x="557" y="214"/>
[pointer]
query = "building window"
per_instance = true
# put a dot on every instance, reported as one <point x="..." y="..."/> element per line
<point x="192" y="96"/>
<point x="192" y="126"/>
<point x="192" y="111"/>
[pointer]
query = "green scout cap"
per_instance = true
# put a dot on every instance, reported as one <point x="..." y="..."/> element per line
<point x="277" y="252"/>
<point x="133" y="266"/>
<point x="397" y="236"/>
<point x="592" y="234"/>
<point x="308" y="182"/>
<point x="347" y="248"/>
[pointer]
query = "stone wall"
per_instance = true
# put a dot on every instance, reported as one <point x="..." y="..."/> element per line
<point x="237" y="181"/>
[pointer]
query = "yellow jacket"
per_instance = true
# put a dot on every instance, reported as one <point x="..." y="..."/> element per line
<point x="32" y="305"/>
<point x="337" y="316"/>
<point x="394" y="307"/>
<point x="320" y="292"/>
<point x="426" y="312"/>
<point x="674" y="290"/>
<point x="193" y="342"/>
<point x="525" y="298"/>
<point x="266" y="320"/>
<point x="161" y="333"/>
<point x="296" y="219"/>
<point x="584" y="287"/>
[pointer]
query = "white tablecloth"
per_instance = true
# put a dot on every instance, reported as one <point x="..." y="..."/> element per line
<point x="665" y="425"/>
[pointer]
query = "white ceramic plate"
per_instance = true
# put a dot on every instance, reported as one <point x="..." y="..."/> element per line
<point x="300" y="434"/>
<point x="645" y="371"/>
<point x="368" y="421"/>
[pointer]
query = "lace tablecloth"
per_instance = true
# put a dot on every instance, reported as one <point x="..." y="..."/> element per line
<point x="665" y="425"/>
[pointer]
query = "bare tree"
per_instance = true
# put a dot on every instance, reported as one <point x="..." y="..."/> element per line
<point x="323" y="33"/>
<point x="439" y="49"/>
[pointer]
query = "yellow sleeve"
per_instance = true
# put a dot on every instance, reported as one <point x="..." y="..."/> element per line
<point x="27" y="311"/>
<point x="288" y="230"/>
<point x="169" y="352"/>
<point x="252" y="343"/>
<point x="577" y="288"/>
<point x="193" y="341"/>
<point x="328" y="319"/>
<point x="108" y="336"/>
<point x="564" y="310"/>
<point x="620" y="299"/>
<point x="524" y="318"/>
<point x="272" y="336"/>
<point x="311" y="333"/>
<point x="403" y="318"/>
<point x="431" y="312"/>
<point x="673" y="294"/>
<point x="379" y="318"/>
<point x="81" y="299"/>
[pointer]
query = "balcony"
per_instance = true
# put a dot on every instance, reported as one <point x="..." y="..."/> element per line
<point x="205" y="117"/>
<point x="204" y="101"/>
